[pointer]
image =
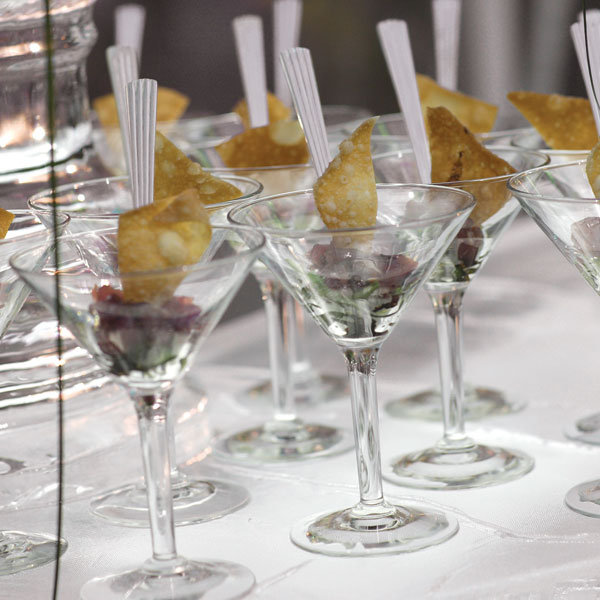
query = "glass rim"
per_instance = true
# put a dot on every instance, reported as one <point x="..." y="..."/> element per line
<point x="107" y="181"/>
<point x="308" y="165"/>
<point x="497" y="178"/>
<point x="522" y="193"/>
<point x="350" y="230"/>
<point x="64" y="219"/>
<point x="549" y="151"/>
<point x="169" y="271"/>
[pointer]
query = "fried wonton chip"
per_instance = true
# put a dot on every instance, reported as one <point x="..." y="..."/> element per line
<point x="345" y="194"/>
<point x="278" y="111"/>
<point x="477" y="115"/>
<point x="6" y="218"/>
<point x="279" y="143"/>
<point x="168" y="233"/>
<point x="564" y="122"/>
<point x="170" y="105"/>
<point x="174" y="172"/>
<point x="592" y="169"/>
<point x="457" y="156"/>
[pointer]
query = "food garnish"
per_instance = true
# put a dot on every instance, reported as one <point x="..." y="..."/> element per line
<point x="564" y="122"/>
<point x="170" y="232"/>
<point x="278" y="111"/>
<point x="345" y="194"/>
<point x="279" y="143"/>
<point x="6" y="218"/>
<point x="592" y="169"/>
<point x="477" y="115"/>
<point x="174" y="173"/>
<point x="457" y="156"/>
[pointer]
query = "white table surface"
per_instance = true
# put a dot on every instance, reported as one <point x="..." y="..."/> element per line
<point x="532" y="329"/>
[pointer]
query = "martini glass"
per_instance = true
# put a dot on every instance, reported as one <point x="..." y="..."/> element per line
<point x="479" y="401"/>
<point x="286" y="437"/>
<point x="95" y="205"/>
<point x="20" y="550"/>
<point x="147" y="347"/>
<point x="456" y="461"/>
<point x="561" y="201"/>
<point x="355" y="283"/>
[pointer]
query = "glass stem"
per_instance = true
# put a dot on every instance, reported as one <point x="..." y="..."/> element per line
<point x="276" y="301"/>
<point x="361" y="365"/>
<point x="305" y="380"/>
<point x="152" y="420"/>
<point x="447" y="305"/>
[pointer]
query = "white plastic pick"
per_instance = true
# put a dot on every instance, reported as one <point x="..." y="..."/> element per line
<point x="591" y="15"/>
<point x="123" y="68"/>
<point x="287" y="18"/>
<point x="300" y="74"/>
<point x="446" y="35"/>
<point x="141" y="100"/>
<point x="248" y="33"/>
<point x="129" y="26"/>
<point x="577" y="33"/>
<point x="394" y="39"/>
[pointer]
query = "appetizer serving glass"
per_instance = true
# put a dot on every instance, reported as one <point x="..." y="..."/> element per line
<point x="20" y="550"/>
<point x="355" y="283"/>
<point x="147" y="347"/>
<point x="95" y="204"/>
<point x="456" y="461"/>
<point x="294" y="380"/>
<point x="561" y="201"/>
<point x="479" y="401"/>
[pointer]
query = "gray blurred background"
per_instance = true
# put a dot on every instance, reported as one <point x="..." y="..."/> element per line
<point x="505" y="45"/>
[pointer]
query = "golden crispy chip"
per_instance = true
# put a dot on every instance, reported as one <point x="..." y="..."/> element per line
<point x="168" y="233"/>
<point x="477" y="115"/>
<point x="564" y="122"/>
<point x="6" y="218"/>
<point x="345" y="194"/>
<point x="279" y="143"/>
<point x="278" y="111"/>
<point x="170" y="105"/>
<point x="457" y="156"/>
<point x="592" y="169"/>
<point x="174" y="172"/>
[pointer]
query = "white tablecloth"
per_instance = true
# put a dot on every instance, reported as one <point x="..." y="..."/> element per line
<point x="532" y="329"/>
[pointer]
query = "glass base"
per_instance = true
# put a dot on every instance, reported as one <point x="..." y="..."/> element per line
<point x="480" y="402"/>
<point x="577" y="589"/>
<point x="186" y="579"/>
<point x="194" y="501"/>
<point x="284" y="442"/>
<point x="20" y="551"/>
<point x="323" y="389"/>
<point x="585" y="498"/>
<point x="454" y="469"/>
<point x="586" y="429"/>
<point x="400" y="529"/>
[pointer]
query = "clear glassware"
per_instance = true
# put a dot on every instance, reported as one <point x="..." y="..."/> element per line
<point x="355" y="283"/>
<point x="479" y="401"/>
<point x="24" y="140"/>
<point x="294" y="379"/>
<point x="95" y="204"/>
<point x="147" y="348"/>
<point x="457" y="461"/>
<point x="20" y="550"/>
<point x="560" y="200"/>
